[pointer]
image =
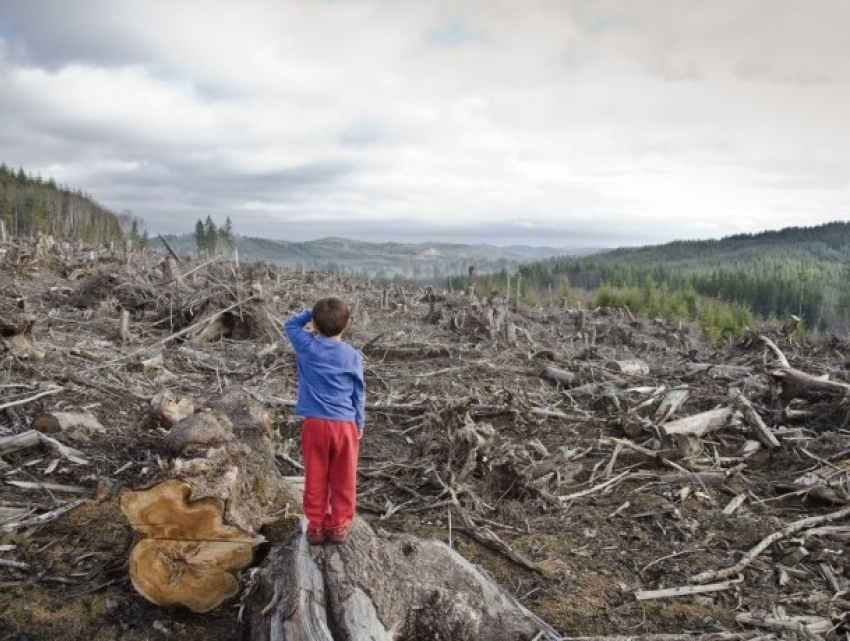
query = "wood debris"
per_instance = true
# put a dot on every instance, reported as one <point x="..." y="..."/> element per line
<point x="582" y="457"/>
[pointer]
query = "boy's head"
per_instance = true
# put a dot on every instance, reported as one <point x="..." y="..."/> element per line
<point x="330" y="316"/>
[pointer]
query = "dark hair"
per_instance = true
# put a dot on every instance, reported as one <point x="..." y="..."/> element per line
<point x="330" y="316"/>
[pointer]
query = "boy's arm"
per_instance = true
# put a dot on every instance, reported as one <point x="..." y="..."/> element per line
<point x="294" y="328"/>
<point x="358" y="396"/>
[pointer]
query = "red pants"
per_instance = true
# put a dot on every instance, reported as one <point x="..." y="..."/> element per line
<point x="330" y="451"/>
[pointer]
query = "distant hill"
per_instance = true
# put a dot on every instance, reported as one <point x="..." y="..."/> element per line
<point x="30" y="205"/>
<point x="829" y="242"/>
<point x="797" y="270"/>
<point x="383" y="260"/>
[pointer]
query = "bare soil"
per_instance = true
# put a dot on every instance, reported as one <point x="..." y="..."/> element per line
<point x="437" y="383"/>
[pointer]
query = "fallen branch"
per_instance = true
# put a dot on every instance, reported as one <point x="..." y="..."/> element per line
<point x="684" y="590"/>
<point x="31" y="438"/>
<point x="41" y="519"/>
<point x="766" y="542"/>
<point x="23" y="401"/>
<point x="701" y="424"/>
<point x="752" y="418"/>
<point x="783" y="362"/>
<point x="485" y="536"/>
<point x="592" y="490"/>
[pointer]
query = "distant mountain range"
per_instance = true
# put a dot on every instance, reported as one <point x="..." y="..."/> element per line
<point x="383" y="260"/>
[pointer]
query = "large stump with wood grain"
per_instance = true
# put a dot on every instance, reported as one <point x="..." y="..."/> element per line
<point x="200" y="522"/>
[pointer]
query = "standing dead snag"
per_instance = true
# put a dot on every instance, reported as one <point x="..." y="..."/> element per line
<point x="382" y="587"/>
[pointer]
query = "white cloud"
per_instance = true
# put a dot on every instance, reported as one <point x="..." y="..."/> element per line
<point x="635" y="122"/>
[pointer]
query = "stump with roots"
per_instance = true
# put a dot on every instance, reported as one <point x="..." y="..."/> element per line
<point x="382" y="587"/>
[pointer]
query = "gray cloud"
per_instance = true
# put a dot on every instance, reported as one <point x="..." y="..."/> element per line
<point x="546" y="122"/>
<point x="52" y="35"/>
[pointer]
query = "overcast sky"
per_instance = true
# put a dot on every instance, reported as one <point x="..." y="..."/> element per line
<point x="545" y="122"/>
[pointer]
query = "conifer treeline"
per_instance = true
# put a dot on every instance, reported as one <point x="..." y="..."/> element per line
<point x="211" y="239"/>
<point x="30" y="205"/>
<point x="798" y="270"/>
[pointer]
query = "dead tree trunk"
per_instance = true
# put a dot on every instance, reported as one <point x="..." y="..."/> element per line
<point x="791" y="383"/>
<point x="703" y="423"/>
<point x="633" y="367"/>
<point x="382" y="588"/>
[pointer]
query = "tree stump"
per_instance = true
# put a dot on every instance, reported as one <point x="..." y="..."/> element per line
<point x="200" y="523"/>
<point x="382" y="587"/>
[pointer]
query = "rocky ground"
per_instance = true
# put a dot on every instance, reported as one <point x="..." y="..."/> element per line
<point x="548" y="427"/>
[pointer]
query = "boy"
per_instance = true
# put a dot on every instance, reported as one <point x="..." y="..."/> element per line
<point x="331" y="398"/>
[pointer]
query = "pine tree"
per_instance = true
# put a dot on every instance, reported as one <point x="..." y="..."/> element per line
<point x="200" y="237"/>
<point x="210" y="236"/>
<point x="226" y="234"/>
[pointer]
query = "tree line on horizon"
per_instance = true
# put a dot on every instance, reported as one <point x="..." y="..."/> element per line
<point x="30" y="205"/>
<point x="721" y="284"/>
<point x="726" y="283"/>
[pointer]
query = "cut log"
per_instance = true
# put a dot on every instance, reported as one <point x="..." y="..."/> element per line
<point x="560" y="376"/>
<point x="172" y="408"/>
<point x="632" y="427"/>
<point x="54" y="422"/>
<point x="31" y="438"/>
<point x="382" y="588"/>
<point x="188" y="555"/>
<point x="9" y="444"/>
<point x="793" y="383"/>
<point x="700" y="424"/>
<point x="633" y="367"/>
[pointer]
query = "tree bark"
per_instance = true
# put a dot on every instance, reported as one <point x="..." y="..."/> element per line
<point x="382" y="587"/>
<point x="793" y="383"/>
<point x="757" y="425"/>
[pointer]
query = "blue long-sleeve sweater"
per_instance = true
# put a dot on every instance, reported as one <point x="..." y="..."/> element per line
<point x="330" y="374"/>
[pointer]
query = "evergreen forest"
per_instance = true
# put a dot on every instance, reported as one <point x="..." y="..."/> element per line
<point x="804" y="271"/>
<point x="30" y="205"/>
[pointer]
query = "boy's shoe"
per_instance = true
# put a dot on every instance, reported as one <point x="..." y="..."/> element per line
<point x="337" y="535"/>
<point x="316" y="536"/>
